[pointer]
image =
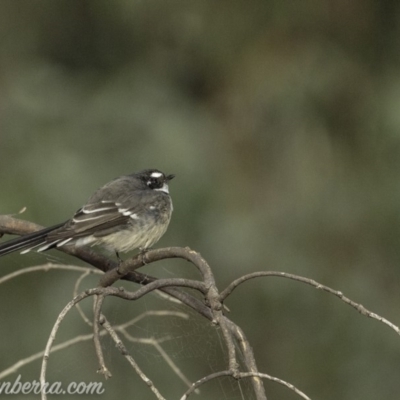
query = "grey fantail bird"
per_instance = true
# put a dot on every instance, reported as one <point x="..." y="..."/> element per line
<point x="130" y="212"/>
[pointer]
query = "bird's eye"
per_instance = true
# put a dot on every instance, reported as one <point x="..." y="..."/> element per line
<point x="155" y="183"/>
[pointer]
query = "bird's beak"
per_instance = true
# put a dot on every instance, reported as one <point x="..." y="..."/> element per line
<point x="169" y="177"/>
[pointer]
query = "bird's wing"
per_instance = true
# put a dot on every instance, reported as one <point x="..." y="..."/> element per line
<point x="96" y="219"/>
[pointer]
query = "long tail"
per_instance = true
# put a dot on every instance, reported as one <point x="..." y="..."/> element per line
<point x="27" y="242"/>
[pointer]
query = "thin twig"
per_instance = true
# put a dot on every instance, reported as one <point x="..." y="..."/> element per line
<point x="81" y="338"/>
<point x="108" y="291"/>
<point x="242" y="375"/>
<point x="158" y="284"/>
<point x="156" y="343"/>
<point x="127" y="270"/>
<point x="52" y="337"/>
<point x="75" y="293"/>
<point x="37" y="356"/>
<point x="45" y="268"/>
<point x="359" y="307"/>
<point x="120" y="345"/>
<point x="158" y="313"/>
<point x="98" y="320"/>
<point x="248" y="358"/>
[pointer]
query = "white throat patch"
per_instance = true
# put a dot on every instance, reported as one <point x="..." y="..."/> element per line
<point x="164" y="188"/>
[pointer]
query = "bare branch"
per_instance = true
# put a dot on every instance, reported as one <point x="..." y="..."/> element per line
<point x="37" y="356"/>
<point x="359" y="307"/>
<point x="75" y="293"/>
<point x="212" y="310"/>
<point x="120" y="345"/>
<point x="156" y="285"/>
<point x="52" y="337"/>
<point x="45" y="268"/>
<point x="159" y="313"/>
<point x="109" y="291"/>
<point x="14" y="226"/>
<point x="248" y="358"/>
<point x="242" y="375"/>
<point x="156" y="344"/>
<point x="98" y="320"/>
<point x="156" y="255"/>
<point x="81" y="338"/>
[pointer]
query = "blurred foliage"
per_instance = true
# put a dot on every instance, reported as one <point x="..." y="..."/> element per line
<point x="281" y="121"/>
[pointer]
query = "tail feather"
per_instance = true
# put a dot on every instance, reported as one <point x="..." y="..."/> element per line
<point x="27" y="242"/>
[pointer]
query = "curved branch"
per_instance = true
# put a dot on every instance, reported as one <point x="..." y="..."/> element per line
<point x="45" y="268"/>
<point x="98" y="320"/>
<point x="359" y="307"/>
<point x="52" y="337"/>
<point x="156" y="255"/>
<point x="108" y="291"/>
<point x="248" y="358"/>
<point x="15" y="226"/>
<point x="242" y="375"/>
<point x="123" y="350"/>
<point x="156" y="285"/>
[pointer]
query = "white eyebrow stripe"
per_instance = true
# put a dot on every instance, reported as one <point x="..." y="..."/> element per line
<point x="156" y="174"/>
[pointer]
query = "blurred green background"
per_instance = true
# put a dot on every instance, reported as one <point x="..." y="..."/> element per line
<point x="281" y="122"/>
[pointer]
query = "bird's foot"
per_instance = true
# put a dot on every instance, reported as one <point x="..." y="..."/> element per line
<point x="142" y="253"/>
